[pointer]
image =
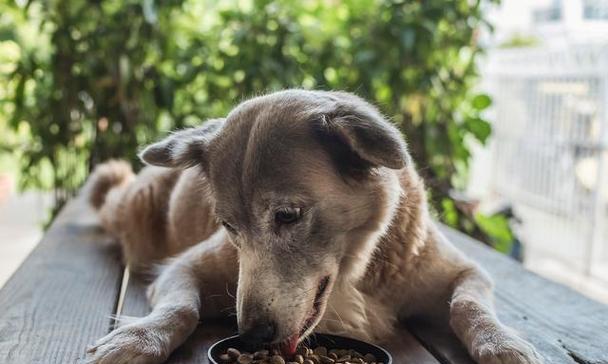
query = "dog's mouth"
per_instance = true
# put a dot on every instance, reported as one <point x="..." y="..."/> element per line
<point x="316" y="306"/>
<point x="289" y="346"/>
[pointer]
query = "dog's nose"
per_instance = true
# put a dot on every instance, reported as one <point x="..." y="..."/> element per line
<point x="260" y="333"/>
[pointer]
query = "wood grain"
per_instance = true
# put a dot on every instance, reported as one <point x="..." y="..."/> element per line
<point x="60" y="299"/>
<point x="563" y="325"/>
<point x="403" y="346"/>
<point x="194" y="350"/>
<point x="135" y="303"/>
<point x="441" y="342"/>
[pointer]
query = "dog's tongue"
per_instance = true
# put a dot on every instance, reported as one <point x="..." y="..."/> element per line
<point x="289" y="346"/>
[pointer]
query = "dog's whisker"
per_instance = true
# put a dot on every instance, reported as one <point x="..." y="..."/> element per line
<point x="337" y="314"/>
<point x="228" y="292"/>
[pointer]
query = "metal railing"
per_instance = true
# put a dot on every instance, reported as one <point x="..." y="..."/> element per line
<point x="550" y="148"/>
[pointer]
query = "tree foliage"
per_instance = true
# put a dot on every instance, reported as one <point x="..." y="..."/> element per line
<point x="96" y="79"/>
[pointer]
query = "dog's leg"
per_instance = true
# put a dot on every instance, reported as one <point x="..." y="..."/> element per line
<point x="474" y="321"/>
<point x="176" y="300"/>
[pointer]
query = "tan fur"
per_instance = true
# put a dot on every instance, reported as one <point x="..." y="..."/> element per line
<point x="148" y="213"/>
<point x="112" y="174"/>
<point x="396" y="264"/>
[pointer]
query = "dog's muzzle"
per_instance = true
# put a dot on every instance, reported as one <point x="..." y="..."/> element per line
<point x="259" y="333"/>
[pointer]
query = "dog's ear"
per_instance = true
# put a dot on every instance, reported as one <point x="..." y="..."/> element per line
<point x="357" y="134"/>
<point x="184" y="148"/>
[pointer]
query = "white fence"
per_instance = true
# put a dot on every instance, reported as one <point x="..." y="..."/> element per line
<point x="550" y="150"/>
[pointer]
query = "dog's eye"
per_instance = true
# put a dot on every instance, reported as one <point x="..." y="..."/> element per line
<point x="229" y="227"/>
<point x="287" y="215"/>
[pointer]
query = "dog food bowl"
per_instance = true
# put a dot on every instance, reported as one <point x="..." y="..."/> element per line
<point x="329" y="341"/>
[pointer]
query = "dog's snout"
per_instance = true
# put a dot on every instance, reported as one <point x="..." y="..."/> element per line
<point x="259" y="333"/>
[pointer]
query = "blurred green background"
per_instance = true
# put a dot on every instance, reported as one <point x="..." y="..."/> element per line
<point x="84" y="81"/>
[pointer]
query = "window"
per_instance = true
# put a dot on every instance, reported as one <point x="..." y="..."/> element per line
<point x="595" y="9"/>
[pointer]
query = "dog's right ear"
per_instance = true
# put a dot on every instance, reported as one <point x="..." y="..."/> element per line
<point x="184" y="148"/>
<point x="358" y="137"/>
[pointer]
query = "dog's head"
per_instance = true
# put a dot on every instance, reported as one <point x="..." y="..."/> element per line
<point x="301" y="183"/>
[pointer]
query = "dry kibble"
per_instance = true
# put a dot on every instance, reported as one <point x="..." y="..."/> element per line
<point x="225" y="358"/>
<point x="301" y="350"/>
<point x="233" y="353"/>
<point x="262" y="354"/>
<point x="326" y="360"/>
<point x="245" y="359"/>
<point x="320" y="350"/>
<point x="304" y="355"/>
<point x="277" y="359"/>
<point x="370" y="358"/>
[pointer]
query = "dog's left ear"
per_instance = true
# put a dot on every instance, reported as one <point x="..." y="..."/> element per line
<point x="364" y="132"/>
<point x="184" y="148"/>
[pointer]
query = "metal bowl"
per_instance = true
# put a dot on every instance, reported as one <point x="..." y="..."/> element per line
<point x="329" y="341"/>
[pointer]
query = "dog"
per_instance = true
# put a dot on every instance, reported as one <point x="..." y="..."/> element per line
<point x="306" y="203"/>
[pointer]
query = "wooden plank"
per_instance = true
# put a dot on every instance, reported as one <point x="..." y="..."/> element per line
<point x="563" y="325"/>
<point x="403" y="346"/>
<point x="441" y="342"/>
<point x="60" y="299"/>
<point x="135" y="303"/>
<point x="194" y="350"/>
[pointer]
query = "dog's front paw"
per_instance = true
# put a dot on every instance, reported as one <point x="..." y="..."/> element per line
<point x="509" y="350"/>
<point x="130" y="344"/>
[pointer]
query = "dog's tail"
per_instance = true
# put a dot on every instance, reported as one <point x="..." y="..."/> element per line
<point x="105" y="177"/>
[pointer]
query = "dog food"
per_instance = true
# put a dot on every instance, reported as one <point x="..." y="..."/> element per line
<point x="318" y="355"/>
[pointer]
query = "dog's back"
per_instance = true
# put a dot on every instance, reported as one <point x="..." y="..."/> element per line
<point x="156" y="214"/>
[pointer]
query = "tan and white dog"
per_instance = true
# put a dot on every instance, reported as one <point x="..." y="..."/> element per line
<point x="308" y="204"/>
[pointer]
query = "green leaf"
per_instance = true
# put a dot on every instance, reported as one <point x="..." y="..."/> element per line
<point x="497" y="227"/>
<point x="481" y="102"/>
<point x="480" y="128"/>
<point x="114" y="76"/>
<point x="7" y="34"/>
<point x="450" y="213"/>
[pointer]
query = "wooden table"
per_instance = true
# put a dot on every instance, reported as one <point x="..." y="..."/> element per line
<point x="63" y="297"/>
